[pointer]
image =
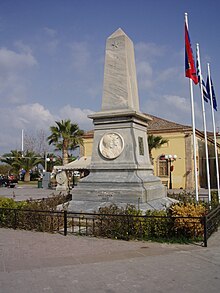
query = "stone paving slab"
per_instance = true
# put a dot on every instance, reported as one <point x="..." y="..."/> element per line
<point x="43" y="262"/>
<point x="25" y="192"/>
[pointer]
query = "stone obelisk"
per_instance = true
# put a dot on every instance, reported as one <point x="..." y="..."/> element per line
<point x="121" y="171"/>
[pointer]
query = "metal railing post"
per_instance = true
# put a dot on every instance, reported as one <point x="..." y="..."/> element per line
<point x="65" y="222"/>
<point x="15" y="219"/>
<point x="205" y="230"/>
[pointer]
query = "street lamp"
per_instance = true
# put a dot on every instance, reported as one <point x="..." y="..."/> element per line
<point x="170" y="159"/>
<point x="48" y="160"/>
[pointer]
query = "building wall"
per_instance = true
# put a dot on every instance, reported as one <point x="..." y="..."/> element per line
<point x="86" y="149"/>
<point x="175" y="146"/>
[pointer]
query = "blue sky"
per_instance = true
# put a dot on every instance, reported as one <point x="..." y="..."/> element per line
<point x="52" y="59"/>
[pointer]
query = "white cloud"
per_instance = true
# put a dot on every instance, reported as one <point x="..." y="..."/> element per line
<point x="10" y="60"/>
<point x="77" y="115"/>
<point x="149" y="50"/>
<point x="31" y="116"/>
<point x="13" y="66"/>
<point x="50" y="32"/>
<point x="52" y="45"/>
<point x="171" y="107"/>
<point x="176" y="103"/>
<point x="147" y="55"/>
<point x="167" y="74"/>
<point x="23" y="48"/>
<point x="34" y="115"/>
<point x="50" y="42"/>
<point x="145" y="74"/>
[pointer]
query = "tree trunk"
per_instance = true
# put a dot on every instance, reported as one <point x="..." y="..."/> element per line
<point x="65" y="153"/>
<point x="27" y="177"/>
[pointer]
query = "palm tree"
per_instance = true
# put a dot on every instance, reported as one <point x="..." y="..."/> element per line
<point x="155" y="142"/>
<point x="10" y="158"/>
<point x="17" y="161"/>
<point x="27" y="162"/>
<point x="65" y="136"/>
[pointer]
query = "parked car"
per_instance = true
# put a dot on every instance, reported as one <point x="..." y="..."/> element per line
<point x="8" y="181"/>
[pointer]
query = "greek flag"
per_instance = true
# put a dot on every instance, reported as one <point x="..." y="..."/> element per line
<point x="200" y="78"/>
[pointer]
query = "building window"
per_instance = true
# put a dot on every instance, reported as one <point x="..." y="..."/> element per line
<point x="163" y="166"/>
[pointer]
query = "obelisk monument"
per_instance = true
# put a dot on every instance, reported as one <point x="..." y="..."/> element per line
<point x="121" y="171"/>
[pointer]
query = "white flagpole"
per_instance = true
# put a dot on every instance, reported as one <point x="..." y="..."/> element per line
<point x="214" y="131"/>
<point x="22" y="142"/>
<point x="204" y="123"/>
<point x="193" y="127"/>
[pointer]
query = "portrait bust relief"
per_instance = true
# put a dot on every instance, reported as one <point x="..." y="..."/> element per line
<point x="111" y="145"/>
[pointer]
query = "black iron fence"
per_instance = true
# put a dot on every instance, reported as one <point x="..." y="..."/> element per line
<point x="211" y="223"/>
<point x="115" y="226"/>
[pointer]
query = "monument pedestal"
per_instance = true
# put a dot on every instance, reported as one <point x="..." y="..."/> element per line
<point x="123" y="174"/>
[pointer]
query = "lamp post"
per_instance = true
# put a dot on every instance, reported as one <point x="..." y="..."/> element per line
<point x="170" y="159"/>
<point x="47" y="161"/>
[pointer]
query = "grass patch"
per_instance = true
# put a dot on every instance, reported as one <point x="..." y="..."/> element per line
<point x="31" y="183"/>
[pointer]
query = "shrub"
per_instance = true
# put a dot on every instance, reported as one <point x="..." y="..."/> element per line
<point x="180" y="221"/>
<point x="7" y="217"/>
<point x="11" y="204"/>
<point x="157" y="224"/>
<point x="129" y="223"/>
<point x="48" y="204"/>
<point x="118" y="222"/>
<point x="184" y="196"/>
<point x="189" y="227"/>
<point x="214" y="199"/>
<point x="23" y="214"/>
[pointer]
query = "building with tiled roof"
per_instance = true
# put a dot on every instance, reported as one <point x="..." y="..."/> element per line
<point x="180" y="146"/>
<point x="160" y="124"/>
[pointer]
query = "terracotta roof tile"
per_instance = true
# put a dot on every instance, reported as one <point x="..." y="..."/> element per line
<point x="162" y="124"/>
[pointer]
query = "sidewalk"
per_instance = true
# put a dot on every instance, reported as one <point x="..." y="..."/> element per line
<point x="39" y="262"/>
<point x="24" y="192"/>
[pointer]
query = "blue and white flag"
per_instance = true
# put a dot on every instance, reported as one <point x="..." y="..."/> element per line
<point x="200" y="78"/>
<point x="211" y="94"/>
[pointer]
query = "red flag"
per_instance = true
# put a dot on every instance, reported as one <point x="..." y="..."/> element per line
<point x="189" y="60"/>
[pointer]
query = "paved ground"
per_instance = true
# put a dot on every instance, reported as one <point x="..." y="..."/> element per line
<point x="39" y="262"/>
<point x="24" y="192"/>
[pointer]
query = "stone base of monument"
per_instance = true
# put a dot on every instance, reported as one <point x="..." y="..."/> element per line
<point x="144" y="192"/>
<point x="94" y="206"/>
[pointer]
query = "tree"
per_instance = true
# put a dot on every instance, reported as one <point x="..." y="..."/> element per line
<point x="50" y="161"/>
<point x="36" y="142"/>
<point x="9" y="159"/>
<point x="155" y="142"/>
<point x="17" y="161"/>
<point x="65" y="136"/>
<point x="5" y="169"/>
<point x="27" y="162"/>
